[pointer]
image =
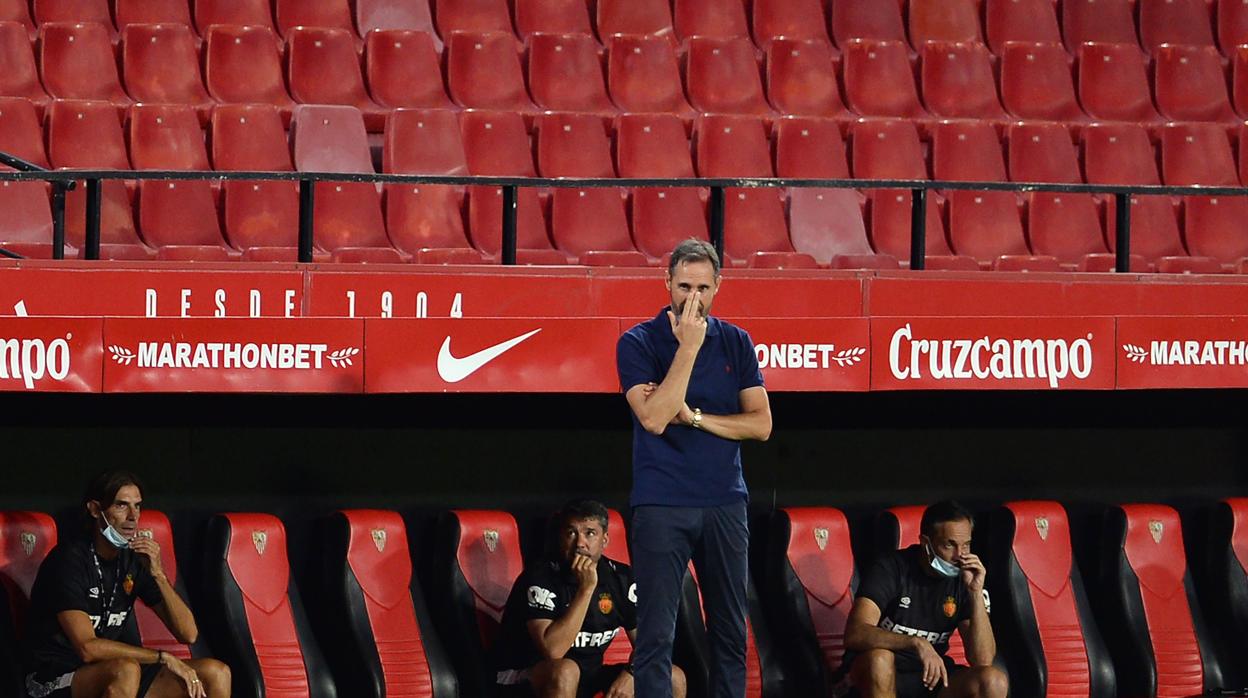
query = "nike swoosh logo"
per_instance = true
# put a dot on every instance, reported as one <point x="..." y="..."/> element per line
<point x="454" y="370"/>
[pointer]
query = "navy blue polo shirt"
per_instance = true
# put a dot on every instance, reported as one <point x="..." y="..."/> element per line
<point x="685" y="466"/>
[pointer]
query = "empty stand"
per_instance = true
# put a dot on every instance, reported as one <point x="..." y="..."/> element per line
<point x="483" y="72"/>
<point x="944" y="20"/>
<point x="242" y="65"/>
<point x="655" y="145"/>
<point x="1040" y="609"/>
<point x="634" y="17"/>
<point x="130" y="12"/>
<point x="710" y="18"/>
<point x="878" y="79"/>
<point x="565" y="74"/>
<point x="324" y="69"/>
<point x="327" y="14"/>
<point x="866" y="19"/>
<point x="471" y="16"/>
<point x="958" y="82"/>
<point x="152" y="630"/>
<point x="253" y="13"/>
<point x="1113" y="84"/>
<point x="1104" y="21"/>
<point x="1063" y="225"/>
<point x="74" y="11"/>
<point x="1175" y="22"/>
<point x="161" y="65"/>
<point x="1191" y="85"/>
<point x="1226" y="582"/>
<point x="722" y="77"/>
<point x="256" y="214"/>
<point x="388" y="15"/>
<point x="1029" y="21"/>
<point x="1037" y="83"/>
<point x="1200" y="154"/>
<point x="257" y="618"/>
<point x="643" y="76"/>
<point x="789" y="19"/>
<point x="19" y="78"/>
<point x="801" y="78"/>
<point x="402" y="69"/>
<point x="552" y="17"/>
<point x="1122" y="154"/>
<point x="78" y="62"/>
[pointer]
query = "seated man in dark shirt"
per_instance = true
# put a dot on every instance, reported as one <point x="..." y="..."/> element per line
<point x="82" y="636"/>
<point x="908" y="606"/>
<point x="563" y="612"/>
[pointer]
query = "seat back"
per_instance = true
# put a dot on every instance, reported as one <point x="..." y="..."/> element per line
<point x="483" y="71"/>
<point x="253" y="13"/>
<point x="78" y="62"/>
<point x="26" y="537"/>
<point x="20" y="78"/>
<point x="130" y="12"/>
<point x="1113" y="83"/>
<point x="643" y="75"/>
<point x="552" y="17"/>
<point x="1197" y="153"/>
<point x="1032" y="21"/>
<point x="967" y="151"/>
<point x="323" y="66"/>
<point x="152" y="630"/>
<point x="565" y="73"/>
<point x="801" y="78"/>
<point x="878" y="79"/>
<point x="497" y="144"/>
<point x="403" y="69"/>
<point x="1191" y="84"/>
<point x="20" y="131"/>
<point x="312" y="13"/>
<point x="713" y="18"/>
<point x="1186" y="22"/>
<point x="166" y="137"/>
<point x="958" y="82"/>
<point x="789" y="19"/>
<point x="732" y="146"/>
<point x="722" y="76"/>
<point x="242" y="65"/>
<point x="1111" y="21"/>
<point x="471" y="16"/>
<point x="1036" y="82"/>
<point x="329" y="139"/>
<point x="1042" y="152"/>
<point x="386" y="15"/>
<point x="161" y="64"/>
<point x="634" y="17"/>
<point x="423" y="141"/>
<point x="944" y="20"/>
<point x="257" y="214"/>
<point x="866" y="19"/>
<point x="95" y="11"/>
<point x="169" y="137"/>
<point x="1119" y="154"/>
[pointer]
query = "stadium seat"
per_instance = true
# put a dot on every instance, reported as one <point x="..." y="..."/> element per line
<point x="474" y="16"/>
<point x="655" y="145"/>
<point x="1112" y="83"/>
<point x="1102" y="21"/>
<point x="1064" y="225"/>
<point x="1239" y="79"/>
<point x="27" y="225"/>
<point x="242" y="66"/>
<point x="74" y="12"/>
<point x="1226" y="582"/>
<point x="944" y="20"/>
<point x="634" y="18"/>
<point x="78" y="62"/>
<point x="812" y="580"/>
<point x="1153" y="618"/>
<point x="801" y="78"/>
<point x="387" y="15"/>
<point x="19" y="78"/>
<point x="152" y="630"/>
<point x="795" y="20"/>
<point x="391" y="649"/>
<point x="333" y="139"/>
<point x="497" y="144"/>
<point x="161" y="65"/>
<point x="1043" y="620"/>
<point x="565" y="74"/>
<point x="25" y="539"/>
<point x="256" y="214"/>
<point x="18" y="11"/>
<point x="1200" y="154"/>
<point x="1184" y="22"/>
<point x="982" y="224"/>
<point x="1036" y="82"/>
<point x="1191" y="85"/>
<point x="325" y="69"/>
<point x="621" y="649"/>
<point x="643" y="76"/>
<point x="957" y="81"/>
<point x="128" y="12"/>
<point x="736" y="146"/>
<point x="402" y="69"/>
<point x="323" y="14"/>
<point x="866" y="19"/>
<point x="763" y="676"/>
<point x="169" y="137"/>
<point x="878" y="79"/>
<point x="582" y="220"/>
<point x="20" y="131"/>
<point x="1232" y="25"/>
<point x="1122" y="154"/>
<point x="552" y="17"/>
<point x="483" y="72"/>
<point x="1028" y="21"/>
<point x="710" y="18"/>
<point x="239" y="13"/>
<point x="256" y="617"/>
<point x="477" y="556"/>
<point x="722" y="77"/>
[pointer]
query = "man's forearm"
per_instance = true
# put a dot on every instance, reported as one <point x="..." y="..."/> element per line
<point x="862" y="638"/>
<point x="981" y="646"/>
<point x="667" y="399"/>
<point x="739" y="427"/>
<point x="99" y="649"/>
<point x="181" y="620"/>
<point x="561" y="633"/>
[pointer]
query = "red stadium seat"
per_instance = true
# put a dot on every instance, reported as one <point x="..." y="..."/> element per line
<point x="1224" y="561"/>
<point x="152" y="12"/>
<point x="1239" y="79"/>
<point x="582" y="220"/>
<point x="19" y="78"/>
<point x="552" y="17"/>
<point x="944" y="20"/>
<point x="387" y="15"/>
<point x="402" y="69"/>
<point x="643" y="76"/>
<point x="478" y="558"/>
<point x="761" y="665"/>
<point x="325" y="69"/>
<point x="1175" y="22"/>
<point x="20" y="131"/>
<point x="635" y="18"/>
<point x="565" y="74"/>
<point x="78" y="62"/>
<point x="333" y="139"/>
<point x="391" y="648"/>
<point x="17" y="11"/>
<point x="1046" y="619"/>
<point x="256" y="612"/>
<point x="710" y="18"/>
<point x="1113" y="84"/>
<point x="324" y="14"/>
<point x="152" y="630"/>
<point x="242" y="66"/>
<point x="866" y="19"/>
<point x="736" y="146"/>
<point x="982" y="224"/>
<point x="1191" y="85"/>
<point x="73" y="12"/>
<point x="1154" y="618"/>
<point x="957" y="81"/>
<point x="256" y="214"/>
<point x="789" y="19"/>
<point x="1232" y="25"/>
<point x="655" y="145"/>
<point x="812" y="577"/>
<point x="621" y="649"/>
<point x="1102" y="21"/>
<point x="1036" y="82"/>
<point x="878" y="79"/>
<point x="722" y="77"/>
<point x="27" y="224"/>
<point x="483" y="72"/>
<point x="25" y="539"/>
<point x="1066" y="226"/>
<point x="1122" y="154"/>
<point x="1029" y="21"/>
<point x="1200" y="154"/>
<point x="801" y="78"/>
<point x="476" y="16"/>
<point x="161" y="65"/>
<point x="251" y="13"/>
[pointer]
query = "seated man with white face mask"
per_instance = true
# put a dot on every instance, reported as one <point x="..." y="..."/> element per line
<point x="909" y="604"/>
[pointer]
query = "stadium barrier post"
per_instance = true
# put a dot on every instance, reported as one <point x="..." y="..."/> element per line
<point x="509" y="224"/>
<point x="918" y="228"/>
<point x="92" y="242"/>
<point x="58" y="220"/>
<point x="307" y="200"/>
<point x="717" y="220"/>
<point x="1122" y="232"/>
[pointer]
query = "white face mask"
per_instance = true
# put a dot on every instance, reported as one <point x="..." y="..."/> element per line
<point x="114" y="536"/>
<point x="942" y="567"/>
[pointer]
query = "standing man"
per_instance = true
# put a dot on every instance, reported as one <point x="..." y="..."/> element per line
<point x="82" y="636"/>
<point x="696" y="391"/>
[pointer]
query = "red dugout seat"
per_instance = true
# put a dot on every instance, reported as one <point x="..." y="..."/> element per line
<point x="152" y="630"/>
<point x="259" y="625"/>
<point x="390" y="648"/>
<point x="552" y="17"/>
<point x="710" y="18"/>
<point x="794" y="20"/>
<point x="1225" y="563"/>
<point x="385" y="15"/>
<point x="1037" y="83"/>
<point x="565" y="74"/>
<point x="483" y="72"/>
<point x="161" y="65"/>
<point x="130" y="12"/>
<point x="256" y="214"/>
<point x="812" y="582"/>
<point x="1200" y="154"/>
<point x="878" y="79"/>
<point x="19" y="78"/>
<point x="78" y="62"/>
<point x="25" y="539"/>
<point x="1029" y="21"/>
<point x="1191" y="85"/>
<point x="722" y="76"/>
<point x="620" y="650"/>
<point x="253" y="13"/>
<point x="958" y="82"/>
<point x="1122" y="154"/>
<point x="242" y="66"/>
<point x="634" y="17"/>
<point x="471" y="16"/>
<point x="1040" y="609"/>
<point x="325" y="14"/>
<point x="1103" y="21"/>
<point x="478" y="556"/>
<point x="944" y="20"/>
<point x="402" y="68"/>
<point x="1113" y="84"/>
<point x="801" y="78"/>
<point x="643" y="76"/>
<point x="655" y="145"/>
<point x="1175" y="22"/>
<point x="866" y="19"/>
<point x="325" y="69"/>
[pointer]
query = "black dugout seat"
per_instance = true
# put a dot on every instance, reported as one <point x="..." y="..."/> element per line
<point x="1153" y="625"/>
<point x="812" y="580"/>
<point x="257" y="620"/>
<point x="152" y="630"/>
<point x="1226" y="573"/>
<point x="477" y="559"/>
<point x="388" y="646"/>
<point x="763" y="675"/>
<point x="1041" y="616"/>
<point x="25" y="539"/>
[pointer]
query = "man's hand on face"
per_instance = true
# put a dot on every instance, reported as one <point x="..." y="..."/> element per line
<point x="622" y="687"/>
<point x="690" y="330"/>
<point x="149" y="554"/>
<point x="586" y="571"/>
<point x="973" y="573"/>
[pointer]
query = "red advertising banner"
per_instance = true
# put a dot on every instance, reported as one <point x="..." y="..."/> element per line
<point x="992" y="353"/>
<point x="443" y="295"/>
<point x="1183" y="352"/>
<point x="233" y="355"/>
<point x="539" y="355"/>
<point x="812" y="354"/>
<point x="51" y="355"/>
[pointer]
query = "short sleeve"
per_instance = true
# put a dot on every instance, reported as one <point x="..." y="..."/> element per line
<point x="66" y="584"/>
<point x="748" y="369"/>
<point x="538" y="598"/>
<point x="880" y="584"/>
<point x="634" y="362"/>
<point x="628" y="608"/>
<point x="965" y="611"/>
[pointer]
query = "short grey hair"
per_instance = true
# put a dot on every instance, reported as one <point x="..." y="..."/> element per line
<point x="693" y="250"/>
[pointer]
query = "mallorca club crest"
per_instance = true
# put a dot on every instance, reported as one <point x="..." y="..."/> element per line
<point x="27" y="539"/>
<point x="1156" y="528"/>
<point x="949" y="607"/>
<point x="604" y="603"/>
<point x="128" y="585"/>
<point x="379" y="539"/>
<point x="259" y="539"/>
<point x="491" y="539"/>
<point x="1042" y="527"/>
<point x="821" y="538"/>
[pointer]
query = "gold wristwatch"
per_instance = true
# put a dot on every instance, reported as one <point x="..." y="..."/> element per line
<point x="696" y="422"/>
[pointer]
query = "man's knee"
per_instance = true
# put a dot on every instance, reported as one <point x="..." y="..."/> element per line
<point x="875" y="667"/>
<point x="559" y="677"/>
<point x="988" y="682"/>
<point x="121" y="677"/>
<point x="215" y="675"/>
<point x="678" y="682"/>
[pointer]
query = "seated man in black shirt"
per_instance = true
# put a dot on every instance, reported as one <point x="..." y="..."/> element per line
<point x="563" y="612"/>
<point x="908" y="606"/>
<point x="82" y="636"/>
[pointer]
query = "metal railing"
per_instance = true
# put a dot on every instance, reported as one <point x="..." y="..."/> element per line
<point x="64" y="180"/>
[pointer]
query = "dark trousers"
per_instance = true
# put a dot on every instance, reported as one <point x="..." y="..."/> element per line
<point x="664" y="539"/>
